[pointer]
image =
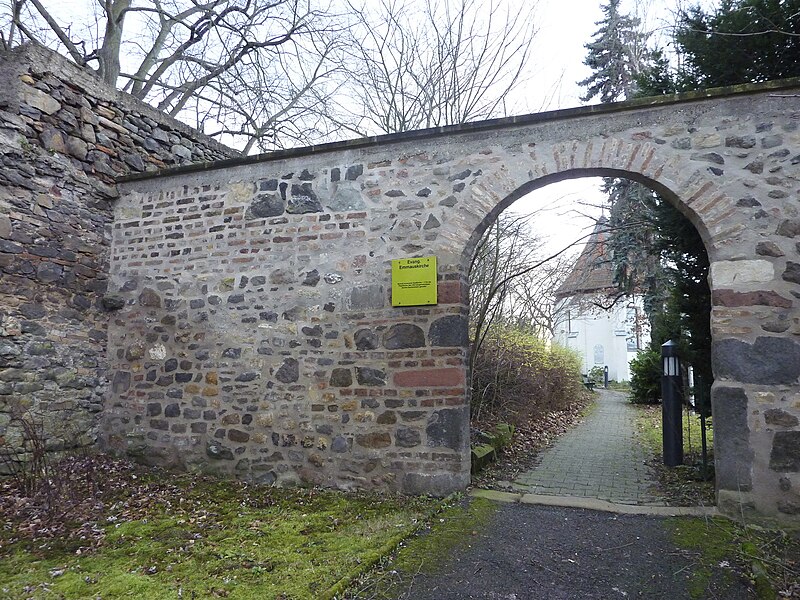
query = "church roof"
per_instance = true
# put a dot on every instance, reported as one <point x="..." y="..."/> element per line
<point x="592" y="272"/>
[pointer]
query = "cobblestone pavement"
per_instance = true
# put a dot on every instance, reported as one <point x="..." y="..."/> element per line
<point x="600" y="458"/>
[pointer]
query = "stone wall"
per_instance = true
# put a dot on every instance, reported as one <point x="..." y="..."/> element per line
<point x="258" y="336"/>
<point x="258" y="339"/>
<point x="64" y="139"/>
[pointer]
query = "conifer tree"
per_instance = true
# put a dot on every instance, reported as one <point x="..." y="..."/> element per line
<point x="654" y="249"/>
<point x="738" y="41"/>
<point x="617" y="56"/>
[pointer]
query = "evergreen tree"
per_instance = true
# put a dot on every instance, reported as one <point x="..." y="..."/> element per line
<point x="663" y="256"/>
<point x="741" y="41"/>
<point x="636" y="264"/>
<point x="655" y="250"/>
<point x="616" y="55"/>
<point x="619" y="57"/>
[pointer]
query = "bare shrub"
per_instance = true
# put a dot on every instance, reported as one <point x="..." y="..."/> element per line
<point x="51" y="487"/>
<point x="26" y="464"/>
<point x="517" y="377"/>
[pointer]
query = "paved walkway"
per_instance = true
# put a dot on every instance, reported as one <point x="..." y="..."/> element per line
<point x="527" y="552"/>
<point x="600" y="458"/>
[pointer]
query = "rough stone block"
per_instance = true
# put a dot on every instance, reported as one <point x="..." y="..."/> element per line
<point x="121" y="382"/>
<point x="346" y="199"/>
<point x="217" y="451"/>
<point x="341" y="378"/>
<point x="450" y="292"/>
<point x="303" y="200"/>
<point x="374" y="440"/>
<point x="789" y="228"/>
<point x="265" y="206"/>
<point x="404" y="335"/>
<point x="366" y="339"/>
<point x="340" y="444"/>
<point x="150" y="298"/>
<point x="449" y="428"/>
<point x="769" y="249"/>
<point x="482" y="454"/>
<point x="40" y="100"/>
<point x="405" y="437"/>
<point x="792" y="272"/>
<point x="761" y="298"/>
<point x="439" y="485"/>
<point x="769" y="360"/>
<point x="739" y="272"/>
<point x="366" y="297"/>
<point x="5" y="226"/>
<point x="451" y="330"/>
<point x="369" y="376"/>
<point x="733" y="453"/>
<point x="445" y="377"/>
<point x="785" y="454"/>
<point x="236" y="435"/>
<point x="289" y="371"/>
<point x="113" y="301"/>
<point x="780" y="418"/>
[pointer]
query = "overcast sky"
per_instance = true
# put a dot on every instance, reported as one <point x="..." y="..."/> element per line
<point x="564" y="26"/>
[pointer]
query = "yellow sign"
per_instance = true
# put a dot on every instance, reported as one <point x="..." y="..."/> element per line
<point x="414" y="281"/>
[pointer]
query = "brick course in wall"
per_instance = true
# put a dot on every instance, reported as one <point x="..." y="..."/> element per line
<point x="64" y="139"/>
<point x="257" y="336"/>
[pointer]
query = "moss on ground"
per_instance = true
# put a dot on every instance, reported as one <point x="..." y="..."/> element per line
<point x="448" y="531"/>
<point x="712" y="545"/>
<point x="212" y="541"/>
<point x="724" y="550"/>
<point x="453" y="528"/>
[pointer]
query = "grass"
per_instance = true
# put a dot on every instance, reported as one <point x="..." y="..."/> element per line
<point x="619" y="386"/>
<point x="725" y="549"/>
<point x="650" y="429"/>
<point x="426" y="552"/>
<point x="589" y="408"/>
<point x="688" y="484"/>
<point x="207" y="538"/>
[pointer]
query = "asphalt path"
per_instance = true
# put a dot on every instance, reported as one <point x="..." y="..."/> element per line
<point x="531" y="552"/>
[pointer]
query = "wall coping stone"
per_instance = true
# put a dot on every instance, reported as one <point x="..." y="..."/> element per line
<point x="479" y="126"/>
<point x="45" y="60"/>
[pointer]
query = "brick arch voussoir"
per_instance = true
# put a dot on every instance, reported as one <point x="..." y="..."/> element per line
<point x="693" y="191"/>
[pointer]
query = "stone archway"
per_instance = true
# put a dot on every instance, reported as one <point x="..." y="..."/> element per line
<point x="590" y="324"/>
<point x="258" y="335"/>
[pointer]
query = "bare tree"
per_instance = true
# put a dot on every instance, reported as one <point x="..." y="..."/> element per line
<point x="511" y="282"/>
<point x="430" y="64"/>
<point x="253" y="70"/>
<point x="532" y="301"/>
<point x="506" y="248"/>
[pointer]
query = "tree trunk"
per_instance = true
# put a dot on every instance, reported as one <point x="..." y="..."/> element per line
<point x="109" y="52"/>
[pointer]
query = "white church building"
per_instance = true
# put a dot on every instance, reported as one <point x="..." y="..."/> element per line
<point x="607" y="329"/>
